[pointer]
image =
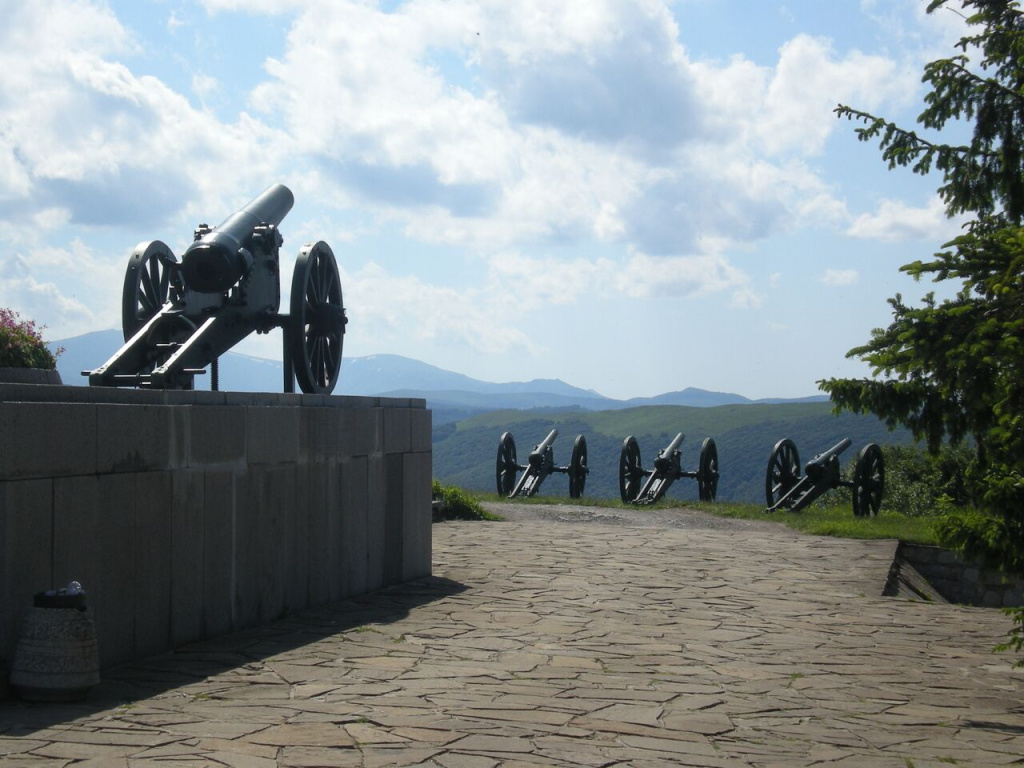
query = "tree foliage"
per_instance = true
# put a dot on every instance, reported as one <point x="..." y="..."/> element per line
<point x="952" y="370"/>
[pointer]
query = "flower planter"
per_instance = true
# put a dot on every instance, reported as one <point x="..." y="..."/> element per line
<point x="29" y="376"/>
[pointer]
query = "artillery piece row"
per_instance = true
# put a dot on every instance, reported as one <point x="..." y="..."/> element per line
<point x="785" y="488"/>
<point x="636" y="484"/>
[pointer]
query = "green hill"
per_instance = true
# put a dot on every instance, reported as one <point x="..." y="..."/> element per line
<point x="465" y="451"/>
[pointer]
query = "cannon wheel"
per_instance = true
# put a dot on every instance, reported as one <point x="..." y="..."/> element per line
<point x="317" y="319"/>
<point x="505" y="467"/>
<point x="630" y="470"/>
<point x="152" y="272"/>
<point x="707" y="470"/>
<point x="783" y="471"/>
<point x="868" y="481"/>
<point x="578" y="467"/>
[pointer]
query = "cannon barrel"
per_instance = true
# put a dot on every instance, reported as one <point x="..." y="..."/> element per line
<point x="822" y="458"/>
<point x="219" y="259"/>
<point x="674" y="445"/>
<point x="546" y="442"/>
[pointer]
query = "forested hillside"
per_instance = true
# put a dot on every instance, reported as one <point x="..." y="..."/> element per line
<point x="465" y="452"/>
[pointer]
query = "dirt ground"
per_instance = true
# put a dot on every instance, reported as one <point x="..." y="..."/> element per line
<point x="638" y="517"/>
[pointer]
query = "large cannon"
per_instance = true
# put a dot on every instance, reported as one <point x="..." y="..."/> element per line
<point x="646" y="486"/>
<point x="786" y="489"/>
<point x="539" y="465"/>
<point x="180" y="317"/>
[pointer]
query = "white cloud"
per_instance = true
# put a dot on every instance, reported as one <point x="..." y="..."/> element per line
<point x="895" y="221"/>
<point x="684" y="277"/>
<point x="204" y="86"/>
<point x="487" y="126"/>
<point x="788" y="109"/>
<point x="394" y="310"/>
<point x="840" y="277"/>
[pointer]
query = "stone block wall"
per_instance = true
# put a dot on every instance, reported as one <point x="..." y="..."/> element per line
<point x="960" y="580"/>
<point x="187" y="515"/>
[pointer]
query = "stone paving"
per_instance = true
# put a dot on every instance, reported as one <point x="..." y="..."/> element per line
<point x="540" y="643"/>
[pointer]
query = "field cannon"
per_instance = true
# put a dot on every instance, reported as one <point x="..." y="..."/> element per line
<point x="646" y="486"/>
<point x="180" y="317"/>
<point x="786" y="489"/>
<point x="539" y="465"/>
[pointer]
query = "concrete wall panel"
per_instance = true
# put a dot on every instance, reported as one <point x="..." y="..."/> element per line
<point x="153" y="542"/>
<point x="218" y="552"/>
<point x="396" y="430"/>
<point x="216" y="435"/>
<point x="394" y="519"/>
<point x="420" y="426"/>
<point x="273" y="435"/>
<point x="376" y="539"/>
<point x="188" y="514"/>
<point x="362" y="431"/>
<point x="26" y="555"/>
<point x="188" y="492"/>
<point x="133" y="438"/>
<point x="417" y="518"/>
<point x="95" y="544"/>
<point x="47" y="440"/>
<point x="357" y="544"/>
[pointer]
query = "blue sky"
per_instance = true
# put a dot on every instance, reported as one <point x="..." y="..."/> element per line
<point x="633" y="196"/>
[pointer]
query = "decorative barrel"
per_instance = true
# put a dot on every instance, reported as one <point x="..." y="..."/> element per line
<point x="56" y="658"/>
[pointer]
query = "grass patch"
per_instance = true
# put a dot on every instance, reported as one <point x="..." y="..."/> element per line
<point x="835" y="521"/>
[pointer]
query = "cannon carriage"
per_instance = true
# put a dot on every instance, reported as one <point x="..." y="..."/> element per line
<point x="646" y="486"/>
<point x="786" y="489"/>
<point x="539" y="466"/>
<point x="179" y="317"/>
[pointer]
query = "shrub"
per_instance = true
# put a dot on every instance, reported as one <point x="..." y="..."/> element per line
<point x="21" y="345"/>
<point x="460" y="505"/>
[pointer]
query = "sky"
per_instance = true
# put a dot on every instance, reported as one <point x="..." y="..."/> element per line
<point x="633" y="196"/>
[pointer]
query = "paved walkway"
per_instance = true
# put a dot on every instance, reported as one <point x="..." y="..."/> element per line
<point x="541" y="643"/>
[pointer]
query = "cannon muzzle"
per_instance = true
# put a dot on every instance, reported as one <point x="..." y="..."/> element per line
<point x="220" y="258"/>
<point x="546" y="442"/>
<point x="674" y="445"/>
<point x="817" y="466"/>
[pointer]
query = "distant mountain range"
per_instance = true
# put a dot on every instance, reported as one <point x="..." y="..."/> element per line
<point x="452" y="396"/>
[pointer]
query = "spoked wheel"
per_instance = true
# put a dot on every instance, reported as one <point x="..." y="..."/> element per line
<point x="317" y="319"/>
<point x="152" y="273"/>
<point x="783" y="471"/>
<point x="505" y="467"/>
<point x="868" y="481"/>
<point x="578" y="467"/>
<point x="631" y="473"/>
<point x="707" y="471"/>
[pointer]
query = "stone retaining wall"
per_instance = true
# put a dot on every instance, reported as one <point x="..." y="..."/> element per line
<point x="960" y="580"/>
<point x="187" y="515"/>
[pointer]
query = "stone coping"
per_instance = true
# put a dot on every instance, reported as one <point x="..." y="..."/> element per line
<point x="38" y="393"/>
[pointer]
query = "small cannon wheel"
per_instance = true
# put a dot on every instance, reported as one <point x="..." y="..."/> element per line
<point x="578" y="467"/>
<point x="505" y="467"/>
<point x="707" y="470"/>
<point x="317" y="319"/>
<point x="783" y="471"/>
<point x="152" y="273"/>
<point x="631" y="472"/>
<point x="868" y="481"/>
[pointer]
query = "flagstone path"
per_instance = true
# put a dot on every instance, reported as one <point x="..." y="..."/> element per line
<point x="546" y="643"/>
